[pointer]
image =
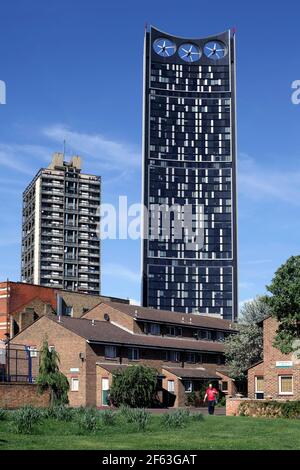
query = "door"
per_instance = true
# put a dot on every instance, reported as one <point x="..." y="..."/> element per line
<point x="105" y="392"/>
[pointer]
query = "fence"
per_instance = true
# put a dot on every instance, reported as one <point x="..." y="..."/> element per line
<point x="18" y="363"/>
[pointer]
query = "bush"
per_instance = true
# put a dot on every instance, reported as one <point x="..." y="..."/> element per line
<point x="108" y="418"/>
<point x="135" y="387"/>
<point x="89" y="420"/>
<point x="270" y="409"/>
<point x="3" y="414"/>
<point x="139" y="417"/>
<point x="60" y="413"/>
<point x="193" y="399"/>
<point x="221" y="401"/>
<point x="24" y="419"/>
<point x="176" y="419"/>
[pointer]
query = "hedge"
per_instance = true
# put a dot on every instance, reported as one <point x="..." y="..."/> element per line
<point x="270" y="409"/>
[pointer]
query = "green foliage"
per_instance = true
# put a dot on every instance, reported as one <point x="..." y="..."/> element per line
<point x="135" y="386"/>
<point x="3" y="414"/>
<point x="270" y="409"/>
<point x="24" y="419"/>
<point x="137" y="416"/>
<point x="108" y="418"/>
<point x="50" y="378"/>
<point x="193" y="399"/>
<point x="88" y="420"/>
<point x="285" y="304"/>
<point x="176" y="419"/>
<point x="254" y="311"/>
<point x="221" y="402"/>
<point x="243" y="349"/>
<point x="60" y="413"/>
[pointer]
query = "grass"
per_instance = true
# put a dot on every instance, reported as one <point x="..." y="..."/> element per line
<point x="208" y="433"/>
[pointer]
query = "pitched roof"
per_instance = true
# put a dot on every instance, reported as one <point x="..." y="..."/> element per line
<point x="205" y="372"/>
<point x="104" y="332"/>
<point x="166" y="316"/>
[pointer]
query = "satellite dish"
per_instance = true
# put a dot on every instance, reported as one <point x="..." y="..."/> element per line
<point x="106" y="317"/>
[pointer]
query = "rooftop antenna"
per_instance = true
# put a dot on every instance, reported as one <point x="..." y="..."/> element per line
<point x="64" y="148"/>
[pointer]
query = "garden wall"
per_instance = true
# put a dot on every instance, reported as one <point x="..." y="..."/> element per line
<point x="263" y="408"/>
<point x="15" y="395"/>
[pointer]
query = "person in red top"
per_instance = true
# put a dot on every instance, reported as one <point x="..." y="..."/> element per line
<point x="211" y="395"/>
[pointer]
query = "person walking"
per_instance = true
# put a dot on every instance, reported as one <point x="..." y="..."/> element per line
<point x="211" y="396"/>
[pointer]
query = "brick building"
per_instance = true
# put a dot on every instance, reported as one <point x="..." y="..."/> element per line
<point x="21" y="304"/>
<point x="278" y="375"/>
<point x="186" y="350"/>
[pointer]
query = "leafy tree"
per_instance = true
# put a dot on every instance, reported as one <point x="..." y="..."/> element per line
<point x="50" y="378"/>
<point x="255" y="310"/>
<point x="243" y="349"/>
<point x="135" y="387"/>
<point x="285" y="304"/>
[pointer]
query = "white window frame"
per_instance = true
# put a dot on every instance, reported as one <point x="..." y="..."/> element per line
<point x="111" y="348"/>
<point x="33" y="351"/>
<point x="255" y="380"/>
<point x="171" y="386"/>
<point x="279" y="385"/>
<point x="190" y="388"/>
<point x="74" y="380"/>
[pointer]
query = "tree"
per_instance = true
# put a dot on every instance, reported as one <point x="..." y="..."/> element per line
<point x="244" y="349"/>
<point x="285" y="304"/>
<point x="50" y="378"/>
<point x="254" y="311"/>
<point x="134" y="386"/>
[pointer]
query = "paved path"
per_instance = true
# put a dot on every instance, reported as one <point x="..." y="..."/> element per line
<point x="219" y="411"/>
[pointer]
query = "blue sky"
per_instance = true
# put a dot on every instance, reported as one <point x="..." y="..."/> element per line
<point x="73" y="70"/>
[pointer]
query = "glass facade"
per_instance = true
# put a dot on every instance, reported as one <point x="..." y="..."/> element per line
<point x="190" y="160"/>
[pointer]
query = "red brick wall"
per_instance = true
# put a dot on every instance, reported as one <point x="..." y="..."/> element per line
<point x="17" y="395"/>
<point x="270" y="371"/>
<point x="232" y="405"/>
<point x="68" y="345"/>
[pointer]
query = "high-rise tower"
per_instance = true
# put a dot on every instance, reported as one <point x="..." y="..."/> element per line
<point x="60" y="243"/>
<point x="190" y="159"/>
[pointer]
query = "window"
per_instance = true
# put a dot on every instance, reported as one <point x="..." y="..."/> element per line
<point x="224" y="386"/>
<point x="171" y="331"/>
<point x="110" y="352"/>
<point x="33" y="351"/>
<point x="171" y="386"/>
<point x="259" y="387"/>
<point x="188" y="386"/>
<point x="154" y="329"/>
<point x="191" y="357"/>
<point x="173" y="356"/>
<point x="133" y="354"/>
<point x="285" y="384"/>
<point x="74" y="384"/>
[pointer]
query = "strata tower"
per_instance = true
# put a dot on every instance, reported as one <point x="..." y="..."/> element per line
<point x="189" y="161"/>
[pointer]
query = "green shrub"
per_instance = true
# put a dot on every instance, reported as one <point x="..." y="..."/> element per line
<point x="176" y="419"/>
<point x="193" y="399"/>
<point x="24" y="419"/>
<point x="60" y="413"/>
<point x="221" y="401"/>
<point x="290" y="409"/>
<point x="3" y="414"/>
<point x="89" y="420"/>
<point x="137" y="416"/>
<point x="108" y="418"/>
<point x="134" y="386"/>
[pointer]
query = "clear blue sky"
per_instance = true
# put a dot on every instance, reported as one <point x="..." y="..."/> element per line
<point x="73" y="70"/>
